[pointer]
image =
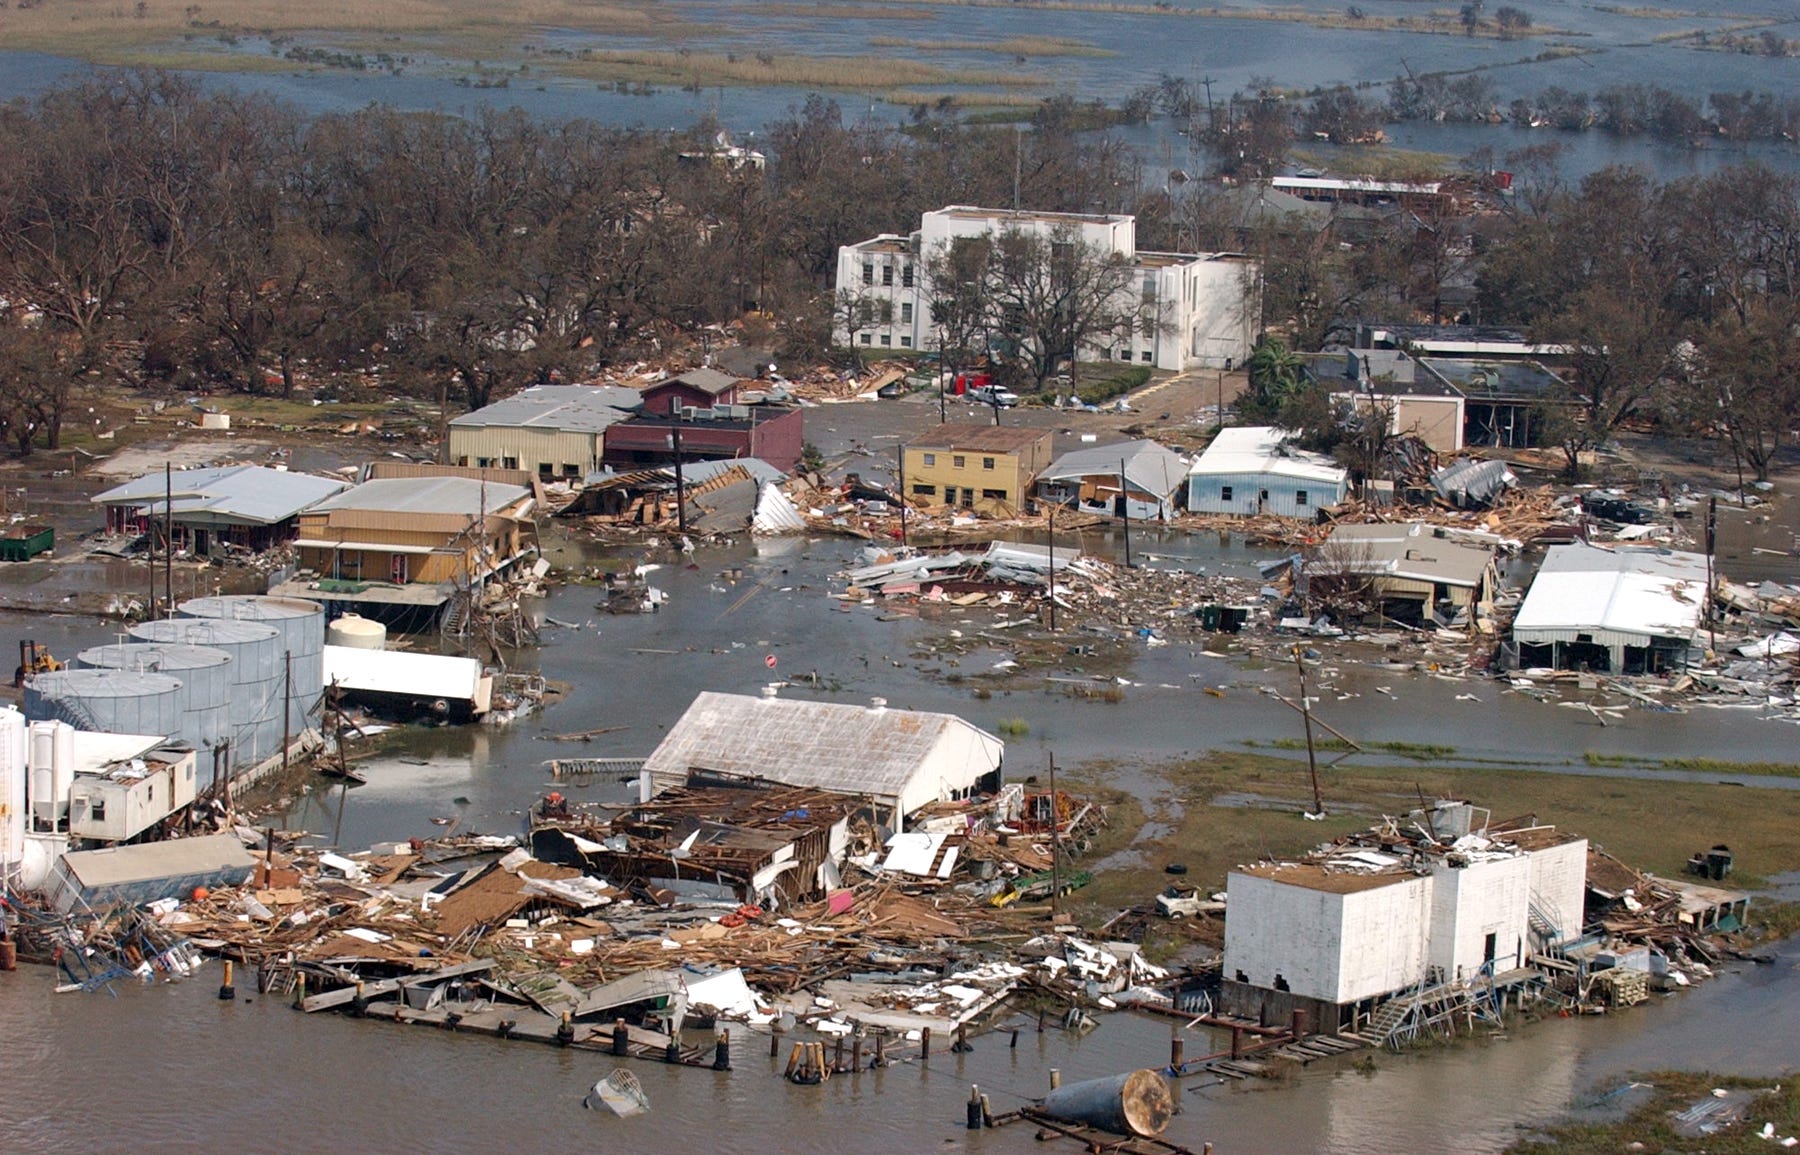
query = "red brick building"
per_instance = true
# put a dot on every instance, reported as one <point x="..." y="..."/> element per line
<point x="713" y="415"/>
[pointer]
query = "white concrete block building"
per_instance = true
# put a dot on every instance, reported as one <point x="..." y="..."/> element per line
<point x="1208" y="305"/>
<point x="1336" y="934"/>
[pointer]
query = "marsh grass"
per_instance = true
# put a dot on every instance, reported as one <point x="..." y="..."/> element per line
<point x="711" y="68"/>
<point x="1013" y="46"/>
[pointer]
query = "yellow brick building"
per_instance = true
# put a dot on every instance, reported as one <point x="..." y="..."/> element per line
<point x="987" y="468"/>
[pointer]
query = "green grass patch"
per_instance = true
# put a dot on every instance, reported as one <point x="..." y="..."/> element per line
<point x="1420" y="751"/>
<point x="1651" y="1127"/>
<point x="1013" y="727"/>
<point x="1694" y="765"/>
<point x="1012" y="46"/>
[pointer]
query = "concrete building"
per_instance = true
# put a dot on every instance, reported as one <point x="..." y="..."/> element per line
<point x="1360" y="920"/>
<point x="706" y="415"/>
<point x="249" y="507"/>
<point x="987" y="468"/>
<point x="556" y="430"/>
<point x="1141" y="480"/>
<point x="1206" y="306"/>
<point x="1250" y="470"/>
<point x="1619" y="610"/>
<point x="899" y="759"/>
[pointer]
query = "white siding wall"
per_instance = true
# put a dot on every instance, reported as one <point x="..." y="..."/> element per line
<point x="1559" y="884"/>
<point x="958" y="760"/>
<point x="1206" y="494"/>
<point x="1471" y="902"/>
<point x="1384" y="945"/>
<point x="1275" y="929"/>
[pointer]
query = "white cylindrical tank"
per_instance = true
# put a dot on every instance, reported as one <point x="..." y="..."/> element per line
<point x="302" y="627"/>
<point x="206" y="678"/>
<point x="52" y="754"/>
<point x="109" y="701"/>
<point x="14" y="769"/>
<point x="257" y="689"/>
<point x="357" y="633"/>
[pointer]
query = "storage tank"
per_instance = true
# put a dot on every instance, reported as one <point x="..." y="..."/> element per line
<point x="302" y="627"/>
<point x="205" y="673"/>
<point x="256" y="677"/>
<point x="50" y="747"/>
<point x="13" y="771"/>
<point x="110" y="701"/>
<point x="357" y="633"/>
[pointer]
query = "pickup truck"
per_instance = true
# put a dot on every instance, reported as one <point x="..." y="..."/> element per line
<point x="1181" y="901"/>
<point x="994" y="395"/>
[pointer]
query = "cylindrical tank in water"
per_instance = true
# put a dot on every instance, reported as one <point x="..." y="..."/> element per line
<point x="357" y="633"/>
<point x="257" y="688"/>
<point x="110" y="701"/>
<point x="14" y="769"/>
<point x="301" y="624"/>
<point x="1135" y="1103"/>
<point x="205" y="674"/>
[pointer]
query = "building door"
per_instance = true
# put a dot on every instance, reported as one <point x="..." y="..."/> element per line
<point x="397" y="569"/>
<point x="1487" y="948"/>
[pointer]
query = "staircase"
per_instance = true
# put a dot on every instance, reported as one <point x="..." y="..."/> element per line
<point x="454" y="621"/>
<point x="1542" y="925"/>
<point x="1387" y="1020"/>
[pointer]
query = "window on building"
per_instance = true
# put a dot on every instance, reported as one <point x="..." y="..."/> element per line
<point x="483" y="462"/>
<point x="906" y="342"/>
<point x="887" y="338"/>
<point x="99" y="809"/>
<point x="868" y="272"/>
<point x="906" y="312"/>
<point x="957" y="461"/>
<point x="887" y="274"/>
<point x="1224" y="493"/>
<point x="546" y="469"/>
<point x="924" y="491"/>
<point x="1125" y="353"/>
<point x="868" y="339"/>
<point x="906" y="275"/>
<point x="968" y="498"/>
<point x="987" y="463"/>
<point x="510" y="463"/>
<point x="931" y="459"/>
<point x="1300" y="497"/>
<point x="994" y="494"/>
<point x="463" y="460"/>
<point x="571" y="470"/>
<point x="1146" y="357"/>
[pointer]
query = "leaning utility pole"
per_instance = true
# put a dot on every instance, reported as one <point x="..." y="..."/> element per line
<point x="1312" y="763"/>
<point x="1055" y="848"/>
<point x="1124" y="512"/>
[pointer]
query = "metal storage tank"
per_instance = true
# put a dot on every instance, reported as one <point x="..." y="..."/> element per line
<point x="256" y="677"/>
<point x="14" y="769"/>
<point x="206" y="681"/>
<point x="356" y="632"/>
<point x="111" y="701"/>
<point x="302" y="626"/>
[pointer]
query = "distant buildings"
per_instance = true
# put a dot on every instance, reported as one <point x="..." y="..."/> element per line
<point x="1206" y="305"/>
<point x="987" y="468"/>
<point x="1251" y="469"/>
<point x="1448" y="402"/>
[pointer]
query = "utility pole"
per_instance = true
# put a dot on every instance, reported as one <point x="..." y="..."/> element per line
<point x="1124" y="512"/>
<point x="168" y="539"/>
<point x="1312" y="763"/>
<point x="680" y="486"/>
<point x="1712" y="532"/>
<point x="287" y="707"/>
<point x="900" y="453"/>
<point x="1053" y="567"/>
<point x="1221" y="399"/>
<point x="1055" y="848"/>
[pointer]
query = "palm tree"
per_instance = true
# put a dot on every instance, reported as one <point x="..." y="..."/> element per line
<point x="1276" y="374"/>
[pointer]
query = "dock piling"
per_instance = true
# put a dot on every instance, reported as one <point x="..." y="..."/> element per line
<point x="227" y="992"/>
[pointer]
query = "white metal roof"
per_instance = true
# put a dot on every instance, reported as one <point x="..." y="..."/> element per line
<point x="566" y="408"/>
<point x="460" y="495"/>
<point x="398" y="672"/>
<point x="1148" y="466"/>
<point x="251" y="494"/>
<point x="1617" y="596"/>
<point x="94" y="750"/>
<point x="147" y="861"/>
<point x="836" y="746"/>
<point x="1253" y="449"/>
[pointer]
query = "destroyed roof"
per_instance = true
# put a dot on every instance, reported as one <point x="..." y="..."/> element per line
<point x="1471" y="479"/>
<point x="1495" y="380"/>
<point x="830" y="745"/>
<point x="1314" y="876"/>
<point x="1248" y="449"/>
<point x="1614" y="595"/>
<point x="466" y="496"/>
<point x="1408" y="550"/>
<point x="568" y="408"/>
<point x="245" y="494"/>
<point x="118" y="866"/>
<point x="1148" y="466"/>
<point x="978" y="438"/>
<point x="692" y="473"/>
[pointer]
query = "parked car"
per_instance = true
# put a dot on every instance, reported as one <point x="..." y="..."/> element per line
<point x="1179" y="901"/>
<point x="891" y="390"/>
<point x="994" y="395"/>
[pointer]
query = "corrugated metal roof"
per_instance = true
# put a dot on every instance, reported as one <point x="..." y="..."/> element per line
<point x="828" y="745"/>
<point x="979" y="438"/>
<point x="1625" y="594"/>
<point x="464" y="496"/>
<point x="252" y="494"/>
<point x="568" y="408"/>
<point x="1259" y="449"/>
<point x="1150" y="467"/>
<point x="176" y="858"/>
<point x="398" y="672"/>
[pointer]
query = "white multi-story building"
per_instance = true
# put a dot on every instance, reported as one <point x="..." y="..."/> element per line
<point x="1207" y="306"/>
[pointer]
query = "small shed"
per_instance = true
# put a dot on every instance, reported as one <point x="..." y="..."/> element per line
<point x="902" y="759"/>
<point x="148" y="871"/>
<point x="1410" y="570"/>
<point x="1137" y="479"/>
<point x="1251" y="469"/>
